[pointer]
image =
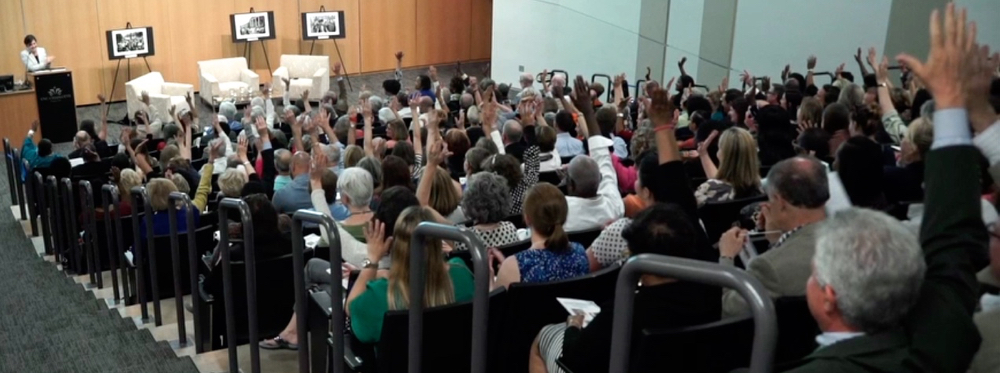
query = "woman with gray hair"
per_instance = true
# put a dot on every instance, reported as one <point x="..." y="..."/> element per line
<point x="486" y="201"/>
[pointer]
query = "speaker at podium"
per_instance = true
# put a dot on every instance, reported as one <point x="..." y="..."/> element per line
<point x="56" y="104"/>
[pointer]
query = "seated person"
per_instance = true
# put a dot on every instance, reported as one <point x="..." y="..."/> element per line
<point x="738" y="174"/>
<point x="661" y="302"/>
<point x="485" y="202"/>
<point x="552" y="257"/>
<point x="447" y="282"/>
<point x="269" y="240"/>
<point x="159" y="190"/>
<point x="39" y="156"/>
<point x="355" y="186"/>
<point x="91" y="166"/>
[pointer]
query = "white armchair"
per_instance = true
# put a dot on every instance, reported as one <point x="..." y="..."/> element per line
<point x="162" y="95"/>
<point x="219" y="77"/>
<point x="310" y="73"/>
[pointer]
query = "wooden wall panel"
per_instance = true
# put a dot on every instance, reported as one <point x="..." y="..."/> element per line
<point x="115" y="14"/>
<point x="68" y="30"/>
<point x="388" y="26"/>
<point x="481" y="30"/>
<point x="200" y="31"/>
<point x="12" y="29"/>
<point x="350" y="45"/>
<point x="443" y="30"/>
<point x="286" y="20"/>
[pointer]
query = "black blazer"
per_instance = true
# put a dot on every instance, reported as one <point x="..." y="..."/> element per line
<point x="938" y="334"/>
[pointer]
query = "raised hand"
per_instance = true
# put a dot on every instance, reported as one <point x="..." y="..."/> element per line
<point x="145" y="98"/>
<point x="172" y="110"/>
<point x="438" y="153"/>
<point x="661" y="110"/>
<point x="704" y="145"/>
<point x="581" y="96"/>
<point x="287" y="82"/>
<point x="725" y="84"/>
<point x="804" y="125"/>
<point x="857" y="56"/>
<point x="101" y="98"/>
<point x="241" y="147"/>
<point x="811" y="62"/>
<point x="394" y="104"/>
<point x="34" y="126"/>
<point x="871" y="57"/>
<point x="336" y="68"/>
<point x="399" y="56"/>
<point x="378" y="243"/>
<point x="882" y="71"/>
<point x="318" y="164"/>
<point x="786" y="72"/>
<point x="305" y="95"/>
<point x="943" y="71"/>
<point x="682" y="61"/>
<point x="978" y="76"/>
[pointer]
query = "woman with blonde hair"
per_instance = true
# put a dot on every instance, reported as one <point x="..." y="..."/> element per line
<point x="904" y="182"/>
<point x="738" y="174"/>
<point x="447" y="282"/>
<point x="552" y="257"/>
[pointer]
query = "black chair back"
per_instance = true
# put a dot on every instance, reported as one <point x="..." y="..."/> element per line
<point x="517" y="220"/>
<point x="275" y="289"/>
<point x="720" y="346"/>
<point x="165" y="262"/>
<point x="718" y="217"/>
<point x="551" y="177"/>
<point x="797" y="329"/>
<point x="586" y="237"/>
<point x="529" y="307"/>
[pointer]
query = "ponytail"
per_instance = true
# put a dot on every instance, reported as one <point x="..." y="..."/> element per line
<point x="558" y="240"/>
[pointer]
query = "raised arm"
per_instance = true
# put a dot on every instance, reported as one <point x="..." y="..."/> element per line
<point x="418" y="146"/>
<point x="205" y="183"/>
<point x="706" y="160"/>
<point x="366" y="109"/>
<point x="891" y="121"/>
<point x="297" y="133"/>
<point x="810" y="65"/>
<point x="399" y="66"/>
<point x="438" y="153"/>
<point x="861" y="64"/>
<point x="305" y="101"/>
<point x="680" y="66"/>
<point x="102" y="132"/>
<point x="341" y="86"/>
<point x="266" y="152"/>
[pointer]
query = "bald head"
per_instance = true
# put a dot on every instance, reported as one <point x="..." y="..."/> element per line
<point x="512" y="132"/>
<point x="426" y="104"/>
<point x="468" y="100"/>
<point x="283" y="161"/>
<point x="801" y="181"/>
<point x="584" y="177"/>
<point x="300" y="163"/>
<point x="81" y="140"/>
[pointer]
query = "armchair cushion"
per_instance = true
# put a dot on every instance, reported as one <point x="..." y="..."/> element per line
<point x="216" y="74"/>
<point x="310" y="73"/>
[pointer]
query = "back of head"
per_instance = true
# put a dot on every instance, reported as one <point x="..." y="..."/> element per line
<point x="861" y="173"/>
<point x="121" y="161"/>
<point x="220" y="150"/>
<point x="816" y="141"/>
<point x="374" y="168"/>
<point x="606" y="118"/>
<point x="181" y="184"/>
<point x="127" y="180"/>
<point x="505" y="165"/>
<point x="329" y="182"/>
<point x="438" y="290"/>
<point x="801" y="181"/>
<point x="44" y="148"/>
<point x="81" y="139"/>
<point x="874" y="264"/>
<point x="395" y="172"/>
<point x="332" y="153"/>
<point x="774" y="134"/>
<point x="475" y="157"/>
<point x="545" y="211"/>
<point x="583" y="177"/>
<point x="836" y="117"/>
<point x="159" y="190"/>
<point x="300" y="163"/>
<point x="486" y="198"/>
<point x="264" y="216"/>
<point x="697" y="103"/>
<point x="393" y="201"/>
<point x="662" y="229"/>
<point x="357" y="185"/>
<point x="545" y="137"/>
<point x="811" y="110"/>
<point x="399" y="131"/>
<point x="512" y="131"/>
<point x="868" y="119"/>
<point x="231" y="182"/>
<point x="168" y="153"/>
<point x="353" y="155"/>
<point x="341" y="127"/>
<point x="564" y="121"/>
<point x="458" y="142"/>
<point x="391" y="86"/>
<point x="283" y="160"/>
<point x="920" y="133"/>
<point x="405" y="151"/>
<point x="852" y="95"/>
<point x="740" y="166"/>
<point x="444" y="196"/>
<point x="488" y="145"/>
<point x="228" y="110"/>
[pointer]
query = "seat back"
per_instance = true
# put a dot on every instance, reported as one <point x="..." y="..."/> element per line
<point x="165" y="262"/>
<point x="529" y="307"/>
<point x="718" y="217"/>
<point x="551" y="177"/>
<point x="275" y="294"/>
<point x="224" y="69"/>
<point x="515" y="247"/>
<point x="720" y="346"/>
<point x="150" y="82"/>
<point x="797" y="329"/>
<point x="451" y="324"/>
<point x="585" y="237"/>
<point x="302" y="66"/>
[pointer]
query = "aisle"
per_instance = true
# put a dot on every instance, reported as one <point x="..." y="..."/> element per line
<point x="48" y="323"/>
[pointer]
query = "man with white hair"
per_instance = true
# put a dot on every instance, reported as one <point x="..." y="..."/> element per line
<point x="881" y="307"/>
<point x="80" y="141"/>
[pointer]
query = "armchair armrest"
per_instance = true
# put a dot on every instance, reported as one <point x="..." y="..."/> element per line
<point x="322" y="73"/>
<point x="321" y="82"/>
<point x="251" y="79"/>
<point x="277" y="85"/>
<point x="353" y="361"/>
<point x="209" y="86"/>
<point x="176" y="89"/>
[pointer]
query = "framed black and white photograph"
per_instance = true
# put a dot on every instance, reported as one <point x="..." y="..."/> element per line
<point x="252" y="26"/>
<point x="130" y="43"/>
<point x="322" y="25"/>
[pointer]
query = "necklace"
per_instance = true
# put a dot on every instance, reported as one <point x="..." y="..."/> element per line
<point x="361" y="212"/>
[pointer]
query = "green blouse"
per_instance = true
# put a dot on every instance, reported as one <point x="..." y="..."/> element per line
<point x="368" y="309"/>
<point x="356" y="231"/>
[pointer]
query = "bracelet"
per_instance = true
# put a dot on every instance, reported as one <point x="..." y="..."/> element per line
<point x="663" y="127"/>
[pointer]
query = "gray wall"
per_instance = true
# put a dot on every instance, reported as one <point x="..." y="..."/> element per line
<point x="717" y="26"/>
<point x="908" y="30"/>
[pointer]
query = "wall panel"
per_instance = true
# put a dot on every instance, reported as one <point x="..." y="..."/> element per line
<point x="481" y="29"/>
<point x="12" y="28"/>
<point x="388" y="26"/>
<point x="114" y="14"/>
<point x="201" y="31"/>
<point x="286" y="20"/>
<point x="350" y="45"/>
<point x="442" y="36"/>
<point x="67" y="30"/>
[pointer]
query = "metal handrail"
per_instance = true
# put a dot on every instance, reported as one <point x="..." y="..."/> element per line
<point x="250" y="261"/>
<point x="480" y="301"/>
<point x="109" y="194"/>
<point x="336" y="291"/>
<point x="609" y="89"/>
<point x="138" y="193"/>
<point x="41" y="209"/>
<point x="175" y="255"/>
<point x="765" y="337"/>
<point x="90" y="243"/>
<point x="55" y="223"/>
<point x="8" y="157"/>
<point x="70" y="239"/>
<point x="21" y="191"/>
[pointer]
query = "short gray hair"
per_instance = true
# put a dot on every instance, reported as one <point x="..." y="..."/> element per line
<point x="257" y="112"/>
<point x="852" y="95"/>
<point x="374" y="168"/>
<point x="486" y="198"/>
<point x="875" y="265"/>
<point x="376" y="103"/>
<point x="584" y="177"/>
<point x="801" y="181"/>
<point x="332" y="152"/>
<point x="356" y="183"/>
<point x="228" y="110"/>
<point x="283" y="160"/>
<point x="512" y="130"/>
<point x="231" y="182"/>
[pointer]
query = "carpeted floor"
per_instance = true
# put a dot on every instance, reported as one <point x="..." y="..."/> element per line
<point x="48" y="323"/>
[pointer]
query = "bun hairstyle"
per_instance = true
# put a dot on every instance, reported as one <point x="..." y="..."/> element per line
<point x="545" y="209"/>
<point x="868" y="119"/>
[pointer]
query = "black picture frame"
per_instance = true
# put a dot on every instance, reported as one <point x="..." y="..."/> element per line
<point x="130" y="43"/>
<point x="237" y="21"/>
<point x="338" y="31"/>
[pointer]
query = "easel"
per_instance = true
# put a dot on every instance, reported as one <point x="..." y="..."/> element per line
<point x="128" y="76"/>
<point x="247" y="52"/>
<point x="339" y="56"/>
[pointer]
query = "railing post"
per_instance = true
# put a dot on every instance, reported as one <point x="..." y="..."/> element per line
<point x="72" y="237"/>
<point x="41" y="210"/>
<point x="250" y="262"/>
<point x="175" y="255"/>
<point x="480" y="301"/>
<point x="109" y="194"/>
<point x="55" y="220"/>
<point x="8" y="156"/>
<point x="336" y="292"/>
<point x="90" y="244"/>
<point x="765" y="337"/>
<point x="19" y="176"/>
<point x="139" y="254"/>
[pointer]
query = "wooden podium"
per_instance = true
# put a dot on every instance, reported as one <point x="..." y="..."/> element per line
<point x="56" y="104"/>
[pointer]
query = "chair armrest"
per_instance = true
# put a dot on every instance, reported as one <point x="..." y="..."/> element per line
<point x="322" y="73"/>
<point x="209" y="78"/>
<point x="277" y="85"/>
<point x="176" y="89"/>
<point x="322" y="301"/>
<point x="250" y="78"/>
<point x="209" y="86"/>
<point x="352" y="360"/>
<point x="321" y="82"/>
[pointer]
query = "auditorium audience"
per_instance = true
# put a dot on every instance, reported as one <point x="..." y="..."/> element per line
<point x="737" y="176"/>
<point x="38" y="156"/>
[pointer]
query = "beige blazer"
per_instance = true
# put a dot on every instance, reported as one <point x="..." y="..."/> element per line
<point x="782" y="270"/>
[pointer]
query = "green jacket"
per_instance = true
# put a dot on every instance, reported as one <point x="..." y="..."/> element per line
<point x="938" y="334"/>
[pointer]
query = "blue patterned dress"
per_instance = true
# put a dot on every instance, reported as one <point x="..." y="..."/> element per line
<point x="544" y="265"/>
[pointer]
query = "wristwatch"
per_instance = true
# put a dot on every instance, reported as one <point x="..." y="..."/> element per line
<point x="367" y="263"/>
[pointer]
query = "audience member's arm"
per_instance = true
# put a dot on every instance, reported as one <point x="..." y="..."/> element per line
<point x="316" y="170"/>
<point x="265" y="92"/>
<point x="378" y="248"/>
<point x="399" y="66"/>
<point x="509" y="273"/>
<point x="706" y="160"/>
<point x="297" y="134"/>
<point x="366" y="109"/>
<point x="861" y="64"/>
<point x="266" y="152"/>
<point x="598" y="144"/>
<point x="981" y="113"/>
<point x="489" y="119"/>
<point x="102" y="132"/>
<point x="305" y="102"/>
<point x="810" y="65"/>
<point x="29" y="151"/>
<point x="680" y="66"/>
<point x="341" y="86"/>
<point x="243" y="143"/>
<point x="204" y="185"/>
<point x="438" y="153"/>
<point x="893" y="124"/>
<point x="285" y="98"/>
<point x="676" y="188"/>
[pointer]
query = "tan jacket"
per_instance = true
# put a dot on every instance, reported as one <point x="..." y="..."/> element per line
<point x="783" y="270"/>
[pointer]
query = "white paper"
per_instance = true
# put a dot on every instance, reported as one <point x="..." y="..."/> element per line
<point x="312" y="241"/>
<point x="73" y="162"/>
<point x="324" y="37"/>
<point x="588" y="309"/>
<point x="131" y="56"/>
<point x="252" y="39"/>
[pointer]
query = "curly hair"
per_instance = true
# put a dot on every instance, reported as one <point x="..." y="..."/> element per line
<point x="505" y="165"/>
<point x="486" y="199"/>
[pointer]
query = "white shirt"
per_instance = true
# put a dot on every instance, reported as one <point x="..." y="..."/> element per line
<point x="552" y="164"/>
<point x="589" y="213"/>
<point x="33" y="64"/>
<point x="829" y="338"/>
